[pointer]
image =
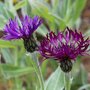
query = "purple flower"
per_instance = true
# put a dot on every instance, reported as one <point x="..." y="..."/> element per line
<point x="24" y="30"/>
<point x="28" y="25"/>
<point x="64" y="47"/>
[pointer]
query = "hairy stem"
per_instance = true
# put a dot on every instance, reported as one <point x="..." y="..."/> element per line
<point x="67" y="81"/>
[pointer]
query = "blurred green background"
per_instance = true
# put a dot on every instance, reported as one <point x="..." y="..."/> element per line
<point x="17" y="69"/>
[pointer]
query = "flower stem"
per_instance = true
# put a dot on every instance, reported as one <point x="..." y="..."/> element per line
<point x="67" y="81"/>
<point x="38" y="70"/>
<point x="40" y="76"/>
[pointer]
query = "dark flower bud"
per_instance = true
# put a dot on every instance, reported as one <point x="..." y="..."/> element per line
<point x="66" y="65"/>
<point x="30" y="44"/>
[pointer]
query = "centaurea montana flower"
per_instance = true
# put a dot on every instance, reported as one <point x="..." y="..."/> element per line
<point x="28" y="25"/>
<point x="64" y="47"/>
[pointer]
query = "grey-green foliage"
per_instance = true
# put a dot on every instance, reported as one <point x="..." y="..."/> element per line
<point x="11" y="71"/>
<point x="55" y="81"/>
<point x="58" y="14"/>
<point x="7" y="11"/>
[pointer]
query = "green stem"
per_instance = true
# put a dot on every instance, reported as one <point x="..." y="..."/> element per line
<point x="67" y="81"/>
<point x="38" y="70"/>
<point x="40" y="76"/>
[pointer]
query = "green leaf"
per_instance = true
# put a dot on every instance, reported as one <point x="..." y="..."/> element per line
<point x="42" y="30"/>
<point x="20" y="4"/>
<point x="54" y="3"/>
<point x="6" y="44"/>
<point x="75" y="11"/>
<point x="42" y="9"/>
<point x="79" y="5"/>
<point x="11" y="71"/>
<point x="28" y="7"/>
<point x="7" y="10"/>
<point x="85" y="87"/>
<point x="60" y="22"/>
<point x="11" y="14"/>
<point x="55" y="81"/>
<point x="7" y="55"/>
<point x="2" y="21"/>
<point x="80" y="78"/>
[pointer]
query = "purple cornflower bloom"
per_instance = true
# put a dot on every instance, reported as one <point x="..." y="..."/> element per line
<point x="15" y="31"/>
<point x="25" y="30"/>
<point x="64" y="47"/>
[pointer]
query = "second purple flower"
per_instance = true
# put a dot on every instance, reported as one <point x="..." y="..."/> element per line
<point x="64" y="47"/>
